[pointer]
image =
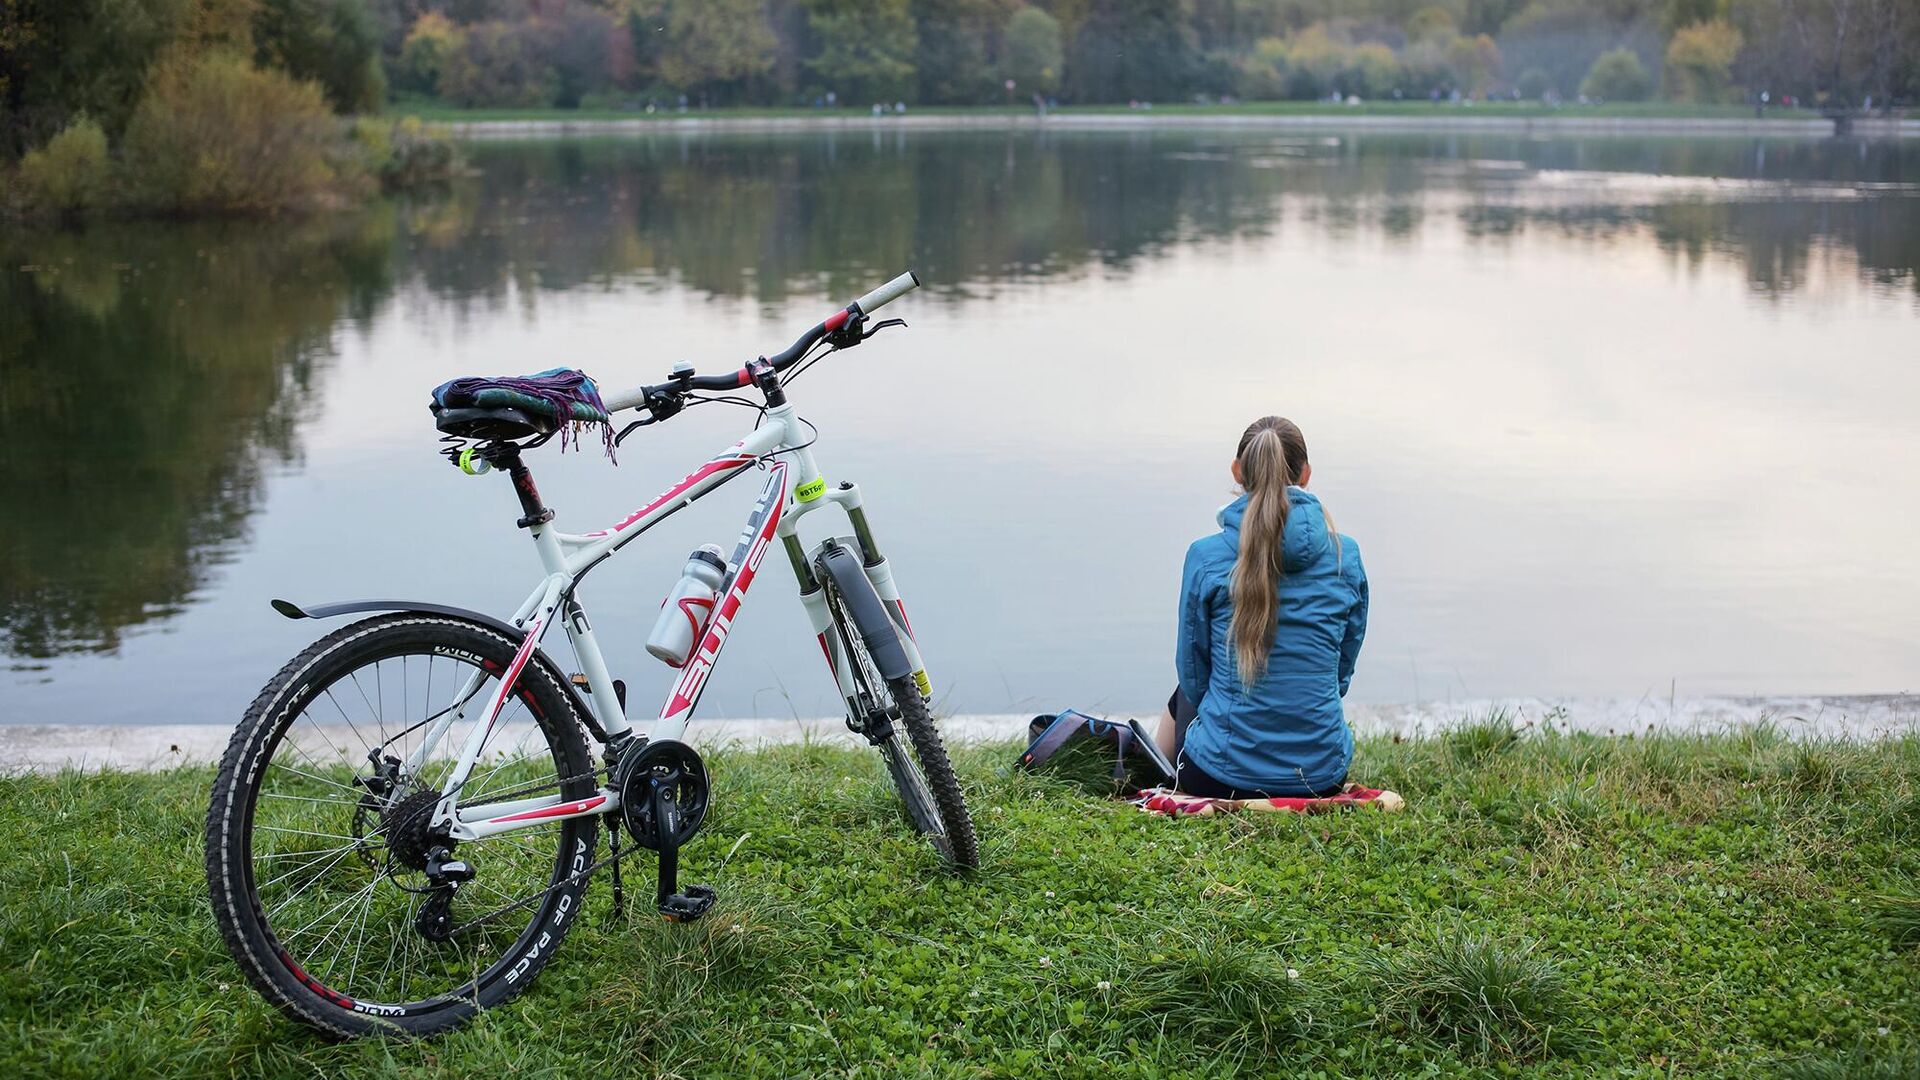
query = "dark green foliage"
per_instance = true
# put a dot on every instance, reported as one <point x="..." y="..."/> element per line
<point x="332" y="42"/>
<point x="864" y="49"/>
<point x="1127" y="49"/>
<point x="958" y="42"/>
<point x="61" y="59"/>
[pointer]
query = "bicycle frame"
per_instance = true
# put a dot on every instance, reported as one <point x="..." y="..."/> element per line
<point x="794" y="488"/>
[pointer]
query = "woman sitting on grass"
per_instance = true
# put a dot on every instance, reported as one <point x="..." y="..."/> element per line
<point x="1272" y="611"/>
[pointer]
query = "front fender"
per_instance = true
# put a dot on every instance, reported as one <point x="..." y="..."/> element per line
<point x="863" y="604"/>
<point x="506" y="629"/>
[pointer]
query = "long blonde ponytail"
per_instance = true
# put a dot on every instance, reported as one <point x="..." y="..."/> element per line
<point x="1272" y="454"/>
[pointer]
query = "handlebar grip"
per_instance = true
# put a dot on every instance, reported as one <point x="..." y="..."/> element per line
<point x="625" y="399"/>
<point x="891" y="291"/>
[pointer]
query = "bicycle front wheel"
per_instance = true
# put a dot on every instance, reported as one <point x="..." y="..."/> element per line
<point x="319" y="833"/>
<point x="915" y="755"/>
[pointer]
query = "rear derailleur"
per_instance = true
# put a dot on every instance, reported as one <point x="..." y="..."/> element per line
<point x="445" y="874"/>
<point x="412" y="841"/>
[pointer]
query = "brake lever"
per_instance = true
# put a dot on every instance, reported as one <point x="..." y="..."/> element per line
<point x="660" y="406"/>
<point x="882" y="325"/>
<point x="630" y="429"/>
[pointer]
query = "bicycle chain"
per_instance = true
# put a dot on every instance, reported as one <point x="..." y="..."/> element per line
<point x="571" y="879"/>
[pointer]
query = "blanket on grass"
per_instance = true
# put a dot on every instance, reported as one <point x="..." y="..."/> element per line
<point x="1160" y="800"/>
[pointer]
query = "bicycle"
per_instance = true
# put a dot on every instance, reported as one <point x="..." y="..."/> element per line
<point x="407" y="858"/>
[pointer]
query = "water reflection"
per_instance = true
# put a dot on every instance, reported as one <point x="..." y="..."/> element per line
<point x="160" y="384"/>
<point x="762" y="217"/>
<point x="149" y="375"/>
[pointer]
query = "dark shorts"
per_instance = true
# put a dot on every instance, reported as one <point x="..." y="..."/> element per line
<point x="1194" y="781"/>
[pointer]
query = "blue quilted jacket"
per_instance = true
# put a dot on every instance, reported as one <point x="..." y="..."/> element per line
<point x="1286" y="734"/>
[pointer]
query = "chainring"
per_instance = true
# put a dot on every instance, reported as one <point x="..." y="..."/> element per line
<point x="663" y="793"/>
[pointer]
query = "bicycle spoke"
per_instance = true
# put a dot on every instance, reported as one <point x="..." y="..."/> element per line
<point x="320" y="779"/>
<point x="309" y="799"/>
<point x="305" y="832"/>
<point x="345" y="717"/>
<point x="323" y="915"/>
<point x="301" y="891"/>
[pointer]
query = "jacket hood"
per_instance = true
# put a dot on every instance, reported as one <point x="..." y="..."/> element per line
<point x="1306" y="539"/>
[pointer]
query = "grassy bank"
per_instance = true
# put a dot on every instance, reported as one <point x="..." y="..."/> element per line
<point x="1507" y="109"/>
<point x="1548" y="906"/>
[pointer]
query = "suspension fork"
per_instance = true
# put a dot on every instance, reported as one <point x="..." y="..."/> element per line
<point x="880" y="574"/>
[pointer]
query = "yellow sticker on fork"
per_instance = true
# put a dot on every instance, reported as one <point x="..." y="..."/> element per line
<point x="812" y="489"/>
<point x="925" y="684"/>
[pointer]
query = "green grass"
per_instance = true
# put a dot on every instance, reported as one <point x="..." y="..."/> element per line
<point x="1487" y="997"/>
<point x="1564" y="906"/>
<point x="1660" y="110"/>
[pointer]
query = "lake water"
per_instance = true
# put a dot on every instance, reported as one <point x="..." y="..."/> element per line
<point x="1609" y="417"/>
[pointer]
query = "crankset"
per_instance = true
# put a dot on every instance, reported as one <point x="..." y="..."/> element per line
<point x="663" y="800"/>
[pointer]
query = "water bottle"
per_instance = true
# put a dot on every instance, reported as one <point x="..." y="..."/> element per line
<point x="684" y="613"/>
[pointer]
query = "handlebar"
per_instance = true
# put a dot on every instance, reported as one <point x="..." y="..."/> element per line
<point x="735" y="380"/>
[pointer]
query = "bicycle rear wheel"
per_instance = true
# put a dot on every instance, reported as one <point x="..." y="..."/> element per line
<point x="319" y="837"/>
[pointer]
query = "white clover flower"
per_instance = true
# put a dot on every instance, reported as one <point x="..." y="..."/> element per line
<point x="1293" y="973"/>
<point x="1046" y="961"/>
<point x="1103" y="985"/>
<point x="1049" y="894"/>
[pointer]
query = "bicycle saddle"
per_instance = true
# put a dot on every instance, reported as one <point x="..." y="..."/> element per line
<point x="516" y="406"/>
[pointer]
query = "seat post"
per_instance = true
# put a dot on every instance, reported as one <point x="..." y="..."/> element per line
<point x="534" y="512"/>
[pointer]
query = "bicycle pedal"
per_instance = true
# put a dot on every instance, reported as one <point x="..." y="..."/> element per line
<point x="685" y="907"/>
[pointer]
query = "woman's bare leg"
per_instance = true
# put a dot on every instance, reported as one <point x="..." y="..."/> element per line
<point x="1163" y="736"/>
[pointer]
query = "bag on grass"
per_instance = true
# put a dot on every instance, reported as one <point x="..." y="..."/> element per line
<point x="1119" y="753"/>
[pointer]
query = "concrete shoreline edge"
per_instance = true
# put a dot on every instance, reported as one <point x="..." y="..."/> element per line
<point x="42" y="748"/>
<point x="1863" y="127"/>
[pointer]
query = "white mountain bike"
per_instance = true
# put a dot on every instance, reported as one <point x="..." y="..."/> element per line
<point x="404" y="824"/>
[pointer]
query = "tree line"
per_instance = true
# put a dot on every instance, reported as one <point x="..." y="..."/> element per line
<point x="164" y="105"/>
<point x="623" y="53"/>
<point x="59" y="58"/>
